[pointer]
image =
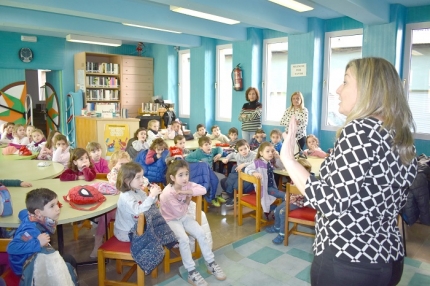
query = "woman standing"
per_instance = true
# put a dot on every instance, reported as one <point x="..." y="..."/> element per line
<point x="300" y="112"/>
<point x="250" y="115"/>
<point x="363" y="183"/>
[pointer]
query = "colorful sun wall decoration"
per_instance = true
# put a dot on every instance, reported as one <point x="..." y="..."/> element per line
<point x="12" y="103"/>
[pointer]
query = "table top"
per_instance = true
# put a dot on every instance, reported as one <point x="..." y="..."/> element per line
<point x="68" y="214"/>
<point x="315" y="163"/>
<point x="28" y="170"/>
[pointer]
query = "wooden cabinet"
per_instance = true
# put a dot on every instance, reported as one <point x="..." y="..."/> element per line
<point x="126" y="81"/>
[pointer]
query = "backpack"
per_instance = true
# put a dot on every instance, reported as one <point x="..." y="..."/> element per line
<point x="84" y="195"/>
<point x="5" y="202"/>
<point x="48" y="268"/>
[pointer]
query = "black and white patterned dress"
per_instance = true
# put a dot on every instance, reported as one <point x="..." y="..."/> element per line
<point x="363" y="186"/>
<point x="301" y="117"/>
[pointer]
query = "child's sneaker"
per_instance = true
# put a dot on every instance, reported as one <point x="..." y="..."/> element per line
<point x="216" y="271"/>
<point x="230" y="202"/>
<point x="279" y="239"/>
<point x="215" y="203"/>
<point x="194" y="278"/>
<point x="220" y="199"/>
<point x="272" y="229"/>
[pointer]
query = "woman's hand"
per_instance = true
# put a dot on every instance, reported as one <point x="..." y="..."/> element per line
<point x="287" y="150"/>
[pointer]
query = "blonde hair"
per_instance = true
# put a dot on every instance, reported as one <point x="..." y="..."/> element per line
<point x="380" y="93"/>
<point x="91" y="146"/>
<point x="51" y="136"/>
<point x="305" y="163"/>
<point x="116" y="156"/>
<point x="151" y="122"/>
<point x="261" y="149"/>
<point x="60" y="137"/>
<point x="16" y="127"/>
<point x="37" y="130"/>
<point x="302" y="103"/>
<point x="312" y="136"/>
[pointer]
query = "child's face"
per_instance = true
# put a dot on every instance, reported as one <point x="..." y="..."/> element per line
<point x="244" y="150"/>
<point x="61" y="145"/>
<point x="176" y="127"/>
<point x="9" y="129"/>
<point x="159" y="149"/>
<point x="181" y="178"/>
<point x="137" y="182"/>
<point x="275" y="138"/>
<point x="141" y="136"/>
<point x="312" y="143"/>
<point x="20" y="132"/>
<point x="267" y="153"/>
<point x="121" y="162"/>
<point x="53" y="137"/>
<point x="259" y="137"/>
<point x="96" y="154"/>
<point x="29" y="131"/>
<point x="181" y="144"/>
<point x="82" y="162"/>
<point x="50" y="210"/>
<point x="201" y="131"/>
<point x="155" y="126"/>
<point x="37" y="137"/>
<point x="232" y="136"/>
<point x="216" y="131"/>
<point x="207" y="147"/>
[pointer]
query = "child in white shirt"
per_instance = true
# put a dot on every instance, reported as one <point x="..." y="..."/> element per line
<point x="62" y="150"/>
<point x="19" y="135"/>
<point x="153" y="131"/>
<point x="216" y="135"/>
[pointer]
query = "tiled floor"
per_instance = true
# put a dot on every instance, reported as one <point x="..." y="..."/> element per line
<point x="224" y="231"/>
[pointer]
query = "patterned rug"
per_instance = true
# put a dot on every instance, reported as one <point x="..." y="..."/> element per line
<point x="255" y="260"/>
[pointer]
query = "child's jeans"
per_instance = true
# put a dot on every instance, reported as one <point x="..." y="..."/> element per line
<point x="277" y="194"/>
<point x="230" y="183"/>
<point x="280" y="216"/>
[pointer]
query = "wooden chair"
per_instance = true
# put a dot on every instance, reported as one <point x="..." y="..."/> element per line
<point x="115" y="249"/>
<point x="304" y="216"/>
<point x="252" y="201"/>
<point x="197" y="252"/>
<point x="8" y="275"/>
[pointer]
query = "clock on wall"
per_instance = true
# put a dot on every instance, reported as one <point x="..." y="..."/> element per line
<point x="25" y="55"/>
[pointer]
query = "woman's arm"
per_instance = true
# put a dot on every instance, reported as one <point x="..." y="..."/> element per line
<point x="286" y="118"/>
<point x="303" y="121"/>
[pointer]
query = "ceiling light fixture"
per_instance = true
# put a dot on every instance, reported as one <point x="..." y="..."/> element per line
<point x="93" y="40"/>
<point x="294" y="5"/>
<point x="151" y="28"/>
<point x="203" y="15"/>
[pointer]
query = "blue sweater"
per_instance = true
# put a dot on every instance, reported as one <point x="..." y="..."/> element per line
<point x="155" y="172"/>
<point x="200" y="156"/>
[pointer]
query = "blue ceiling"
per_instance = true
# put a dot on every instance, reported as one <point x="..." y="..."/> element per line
<point x="103" y="18"/>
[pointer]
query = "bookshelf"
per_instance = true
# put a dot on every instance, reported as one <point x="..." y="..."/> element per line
<point x="125" y="81"/>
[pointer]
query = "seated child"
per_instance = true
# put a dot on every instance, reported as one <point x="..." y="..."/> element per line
<point x="296" y="201"/>
<point x="62" y="150"/>
<point x="48" y="148"/>
<point x="313" y="147"/>
<point x="153" y="131"/>
<point x="243" y="157"/>
<point x="201" y="131"/>
<point x="207" y="154"/>
<point x="179" y="150"/>
<point x="174" y="201"/>
<point x="216" y="135"/>
<point x="233" y="134"/>
<point x="262" y="168"/>
<point x="137" y="143"/>
<point x="95" y="151"/>
<point x="7" y="133"/>
<point x="155" y="151"/>
<point x="117" y="159"/>
<point x="38" y="222"/>
<point x="174" y="130"/>
<point x="19" y="135"/>
<point x="276" y="139"/>
<point x="37" y="142"/>
<point x="79" y="168"/>
<point x="28" y="131"/>
<point x="258" y="138"/>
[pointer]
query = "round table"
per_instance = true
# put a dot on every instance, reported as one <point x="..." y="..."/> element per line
<point x="14" y="157"/>
<point x="28" y="170"/>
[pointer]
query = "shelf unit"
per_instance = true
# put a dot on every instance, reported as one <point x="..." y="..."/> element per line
<point x="109" y="78"/>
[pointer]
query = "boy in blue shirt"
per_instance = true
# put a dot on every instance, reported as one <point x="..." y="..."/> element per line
<point x="207" y="154"/>
<point x="276" y="139"/>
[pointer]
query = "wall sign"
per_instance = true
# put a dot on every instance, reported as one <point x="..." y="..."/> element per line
<point x="298" y="70"/>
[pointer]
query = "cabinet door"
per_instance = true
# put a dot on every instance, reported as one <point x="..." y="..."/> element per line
<point x="137" y="71"/>
<point x="138" y="86"/>
<point x="137" y="62"/>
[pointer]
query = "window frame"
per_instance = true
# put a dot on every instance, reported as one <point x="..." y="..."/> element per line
<point x="217" y="85"/>
<point x="263" y="93"/>
<point x="407" y="53"/>
<point x="326" y="75"/>
<point x="180" y="80"/>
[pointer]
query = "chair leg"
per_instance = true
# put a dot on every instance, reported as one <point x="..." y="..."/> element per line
<point x="258" y="215"/>
<point x="234" y="203"/>
<point x="239" y="214"/>
<point x="140" y="277"/>
<point x="118" y="266"/>
<point x="101" y="267"/>
<point x="205" y="205"/>
<point x="166" y="261"/>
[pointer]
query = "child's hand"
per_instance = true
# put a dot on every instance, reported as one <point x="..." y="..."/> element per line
<point x="44" y="239"/>
<point x="240" y="167"/>
<point x="275" y="154"/>
<point x="225" y="161"/>
<point x="178" y="156"/>
<point x="26" y="184"/>
<point x="257" y="175"/>
<point x="216" y="157"/>
<point x="154" y="190"/>
<point x="81" y="177"/>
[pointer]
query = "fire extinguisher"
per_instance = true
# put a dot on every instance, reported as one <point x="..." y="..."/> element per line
<point x="236" y="77"/>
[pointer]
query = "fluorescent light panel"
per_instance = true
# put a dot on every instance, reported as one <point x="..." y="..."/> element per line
<point x="93" y="40"/>
<point x="151" y="28"/>
<point x="203" y="15"/>
<point x="29" y="39"/>
<point x="294" y="5"/>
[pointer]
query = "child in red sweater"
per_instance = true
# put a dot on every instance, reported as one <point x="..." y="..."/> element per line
<point x="80" y="167"/>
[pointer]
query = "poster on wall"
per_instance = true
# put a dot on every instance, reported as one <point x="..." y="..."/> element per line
<point x="115" y="137"/>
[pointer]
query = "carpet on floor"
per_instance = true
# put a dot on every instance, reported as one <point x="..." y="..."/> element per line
<point x="255" y="260"/>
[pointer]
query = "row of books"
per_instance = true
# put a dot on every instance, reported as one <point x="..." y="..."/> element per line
<point x="102" y="67"/>
<point x="102" y="94"/>
<point x="101" y="81"/>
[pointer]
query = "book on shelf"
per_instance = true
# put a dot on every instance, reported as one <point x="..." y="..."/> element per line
<point x="102" y="94"/>
<point x="108" y="68"/>
<point x="101" y="81"/>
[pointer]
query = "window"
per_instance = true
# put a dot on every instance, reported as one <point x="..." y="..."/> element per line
<point x="417" y="76"/>
<point x="275" y="68"/>
<point x="224" y="86"/>
<point x="340" y="48"/>
<point x="184" y="83"/>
